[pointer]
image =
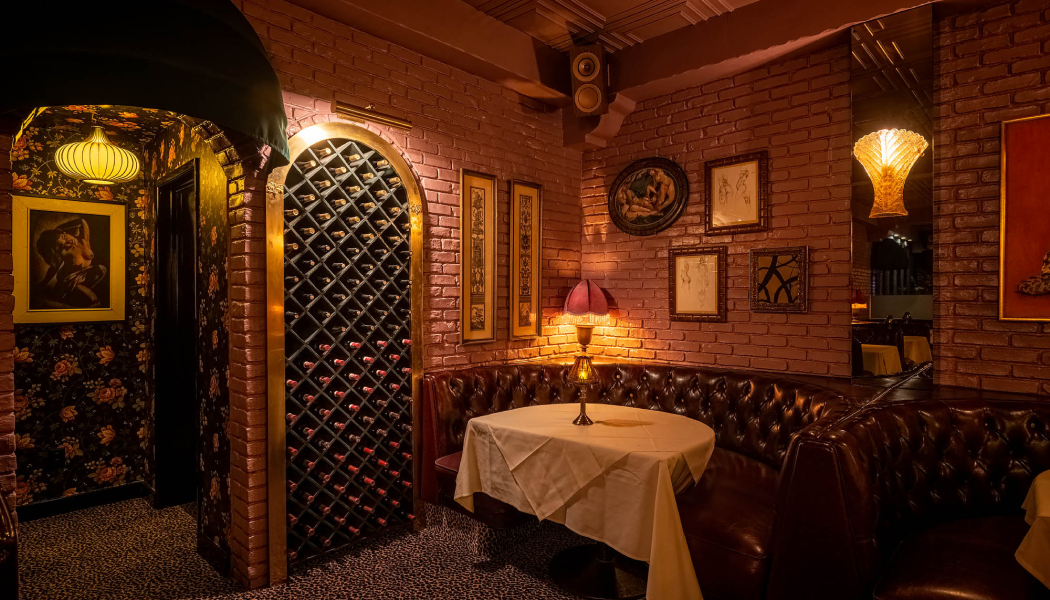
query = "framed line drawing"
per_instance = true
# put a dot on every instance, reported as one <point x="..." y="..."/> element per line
<point x="779" y="280"/>
<point x="68" y="260"/>
<point x="736" y="194"/>
<point x="1024" y="241"/>
<point x="477" y="238"/>
<point x="526" y="271"/>
<point x="698" y="283"/>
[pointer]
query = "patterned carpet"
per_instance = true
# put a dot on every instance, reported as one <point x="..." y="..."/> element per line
<point x="128" y="551"/>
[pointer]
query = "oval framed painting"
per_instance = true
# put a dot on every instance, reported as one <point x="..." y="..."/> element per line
<point x="648" y="196"/>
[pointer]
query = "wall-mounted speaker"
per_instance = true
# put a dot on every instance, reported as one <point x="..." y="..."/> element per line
<point x="589" y="76"/>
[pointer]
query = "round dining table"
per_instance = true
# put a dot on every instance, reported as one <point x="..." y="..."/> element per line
<point x="614" y="482"/>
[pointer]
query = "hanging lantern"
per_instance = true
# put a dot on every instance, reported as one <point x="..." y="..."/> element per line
<point x="888" y="156"/>
<point x="96" y="161"/>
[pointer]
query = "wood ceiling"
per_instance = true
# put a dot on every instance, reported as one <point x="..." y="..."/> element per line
<point x="616" y="24"/>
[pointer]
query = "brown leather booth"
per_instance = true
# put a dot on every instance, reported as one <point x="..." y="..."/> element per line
<point x="914" y="500"/>
<point x="728" y="517"/>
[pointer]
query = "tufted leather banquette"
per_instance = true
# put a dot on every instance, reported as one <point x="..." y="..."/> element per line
<point x="915" y="500"/>
<point x="8" y="552"/>
<point x="728" y="517"/>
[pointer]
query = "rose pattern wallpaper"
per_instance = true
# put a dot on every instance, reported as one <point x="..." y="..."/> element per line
<point x="85" y="391"/>
<point x="170" y="150"/>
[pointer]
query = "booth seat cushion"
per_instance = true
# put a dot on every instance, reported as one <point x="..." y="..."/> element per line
<point x="964" y="559"/>
<point x="728" y="522"/>
<point x="488" y="510"/>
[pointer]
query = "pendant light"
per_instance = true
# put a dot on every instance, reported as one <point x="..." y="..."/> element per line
<point x="888" y="156"/>
<point x="96" y="160"/>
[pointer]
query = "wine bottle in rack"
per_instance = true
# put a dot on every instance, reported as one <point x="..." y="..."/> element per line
<point x="323" y="248"/>
<point x="307" y="198"/>
<point x="338" y="234"/>
<point x="291" y="212"/>
<point x="352" y="189"/>
<point x="291" y="280"/>
<point x="321" y="185"/>
<point x="339" y="265"/>
<point x="380" y="193"/>
<point x="307" y="263"/>
<point x="323" y="217"/>
<point x="382" y="223"/>
<point x="339" y="170"/>
<point x="307" y="231"/>
<point x="338" y="330"/>
<point x="291" y="247"/>
<point x="380" y="164"/>
<point x="393" y="182"/>
<point x="306" y="164"/>
<point x="352" y="157"/>
<point x="366" y="176"/>
<point x="290" y="316"/>
<point x="368" y="205"/>
<point x="338" y="202"/>
<point x="368" y="237"/>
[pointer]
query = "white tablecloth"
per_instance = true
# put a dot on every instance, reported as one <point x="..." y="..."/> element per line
<point x="1034" y="552"/>
<point x="614" y="481"/>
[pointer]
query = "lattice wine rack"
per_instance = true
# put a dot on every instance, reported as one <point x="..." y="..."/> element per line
<point x="347" y="347"/>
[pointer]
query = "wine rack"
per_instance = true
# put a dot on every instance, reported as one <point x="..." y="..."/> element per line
<point x="348" y="347"/>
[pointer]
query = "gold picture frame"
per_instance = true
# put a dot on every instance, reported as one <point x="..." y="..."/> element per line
<point x="526" y="265"/>
<point x="69" y="260"/>
<point x="477" y="246"/>
<point x="697" y="283"/>
<point x="1024" y="253"/>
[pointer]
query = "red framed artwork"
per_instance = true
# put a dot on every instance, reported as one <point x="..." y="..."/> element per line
<point x="1024" y="230"/>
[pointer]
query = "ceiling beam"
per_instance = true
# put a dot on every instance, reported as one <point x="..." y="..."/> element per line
<point x="734" y="42"/>
<point x="458" y="35"/>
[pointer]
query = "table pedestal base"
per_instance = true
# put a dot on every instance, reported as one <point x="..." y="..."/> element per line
<point x="598" y="572"/>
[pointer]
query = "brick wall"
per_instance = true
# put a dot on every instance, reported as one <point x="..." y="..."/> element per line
<point x="460" y="121"/>
<point x="799" y="111"/>
<point x="991" y="66"/>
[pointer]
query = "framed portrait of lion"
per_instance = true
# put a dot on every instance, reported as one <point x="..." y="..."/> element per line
<point x="68" y="260"/>
<point x="648" y="196"/>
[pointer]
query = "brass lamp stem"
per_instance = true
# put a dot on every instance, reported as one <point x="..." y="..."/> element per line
<point x="583" y="335"/>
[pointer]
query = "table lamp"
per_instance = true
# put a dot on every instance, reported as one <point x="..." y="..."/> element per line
<point x="587" y="307"/>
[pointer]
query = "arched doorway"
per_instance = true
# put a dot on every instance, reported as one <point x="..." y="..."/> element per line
<point x="344" y="302"/>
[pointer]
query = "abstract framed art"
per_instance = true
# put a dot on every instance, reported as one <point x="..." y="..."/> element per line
<point x="1024" y="241"/>
<point x="779" y="280"/>
<point x="526" y="271"/>
<point x="477" y="243"/>
<point x="698" y="283"/>
<point x="736" y="194"/>
<point x="68" y="260"/>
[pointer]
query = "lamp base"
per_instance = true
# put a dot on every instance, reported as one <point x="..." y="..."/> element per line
<point x="582" y="419"/>
<point x="598" y="572"/>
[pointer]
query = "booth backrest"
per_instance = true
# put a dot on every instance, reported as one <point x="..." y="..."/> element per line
<point x="894" y="468"/>
<point x="752" y="414"/>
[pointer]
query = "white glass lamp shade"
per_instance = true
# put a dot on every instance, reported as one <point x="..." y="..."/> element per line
<point x="95" y="160"/>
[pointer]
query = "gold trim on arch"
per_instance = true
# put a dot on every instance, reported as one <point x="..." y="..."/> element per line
<point x="276" y="455"/>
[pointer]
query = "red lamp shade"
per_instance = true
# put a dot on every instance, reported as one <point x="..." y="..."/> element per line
<point x="586" y="298"/>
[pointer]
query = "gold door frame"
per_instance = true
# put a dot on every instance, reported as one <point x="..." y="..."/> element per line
<point x="275" y="360"/>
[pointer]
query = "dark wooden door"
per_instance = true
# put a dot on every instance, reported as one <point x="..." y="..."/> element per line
<point x="177" y="406"/>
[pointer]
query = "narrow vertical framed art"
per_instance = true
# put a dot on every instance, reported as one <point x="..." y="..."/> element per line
<point x="526" y="270"/>
<point x="477" y="246"/>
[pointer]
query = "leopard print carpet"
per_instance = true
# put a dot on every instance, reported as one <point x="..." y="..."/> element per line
<point x="128" y="551"/>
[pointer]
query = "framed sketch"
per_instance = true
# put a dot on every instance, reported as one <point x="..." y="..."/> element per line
<point x="698" y="283"/>
<point x="526" y="272"/>
<point x="736" y="198"/>
<point x="1024" y="242"/>
<point x="779" y="280"/>
<point x="477" y="243"/>
<point x="648" y="196"/>
<point x="68" y="260"/>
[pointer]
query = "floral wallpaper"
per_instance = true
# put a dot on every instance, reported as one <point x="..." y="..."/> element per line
<point x="84" y="392"/>
<point x="171" y="149"/>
